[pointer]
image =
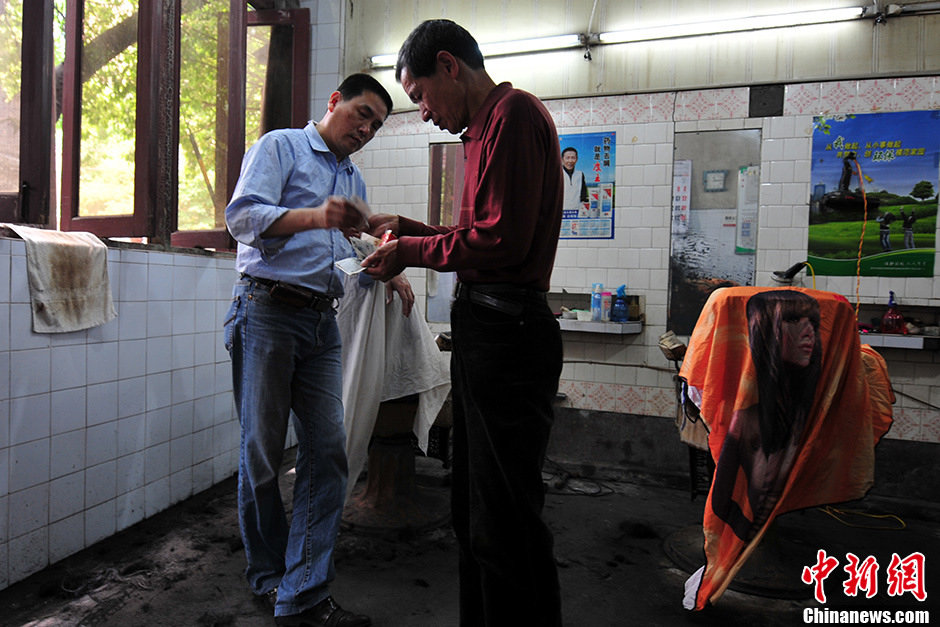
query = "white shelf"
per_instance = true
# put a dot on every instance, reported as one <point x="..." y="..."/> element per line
<point x="591" y="326"/>
<point x="893" y="340"/>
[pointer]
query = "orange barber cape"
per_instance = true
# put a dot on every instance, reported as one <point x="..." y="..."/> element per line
<point x="828" y="455"/>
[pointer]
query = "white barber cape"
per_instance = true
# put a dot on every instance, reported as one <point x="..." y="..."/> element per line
<point x="385" y="356"/>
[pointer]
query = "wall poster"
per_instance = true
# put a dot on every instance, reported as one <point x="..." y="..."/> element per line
<point x="748" y="194"/>
<point x="895" y="219"/>
<point x="588" y="163"/>
<point x="681" y="195"/>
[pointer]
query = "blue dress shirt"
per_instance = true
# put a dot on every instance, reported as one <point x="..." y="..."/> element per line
<point x="291" y="169"/>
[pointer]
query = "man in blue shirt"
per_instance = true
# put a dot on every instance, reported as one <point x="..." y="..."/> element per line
<point x="296" y="200"/>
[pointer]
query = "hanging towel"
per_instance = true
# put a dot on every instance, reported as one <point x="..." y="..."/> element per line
<point x="385" y="356"/>
<point x="68" y="279"/>
<point x="785" y="433"/>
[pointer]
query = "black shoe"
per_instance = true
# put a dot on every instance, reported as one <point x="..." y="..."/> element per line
<point x="326" y="613"/>
<point x="268" y="599"/>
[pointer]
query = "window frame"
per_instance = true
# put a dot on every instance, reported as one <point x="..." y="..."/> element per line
<point x="299" y="21"/>
<point x="34" y="198"/>
<point x="157" y="125"/>
<point x="446" y="162"/>
<point x="155" y="34"/>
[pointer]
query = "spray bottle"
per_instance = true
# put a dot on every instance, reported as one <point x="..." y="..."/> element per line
<point x="618" y="311"/>
<point x="596" y="304"/>
<point x="892" y="321"/>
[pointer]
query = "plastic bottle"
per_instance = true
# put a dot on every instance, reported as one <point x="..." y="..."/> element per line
<point x="596" y="304"/>
<point x="892" y="321"/>
<point x="606" y="300"/>
<point x="618" y="311"/>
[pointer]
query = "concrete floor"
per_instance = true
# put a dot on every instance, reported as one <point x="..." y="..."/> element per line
<point x="624" y="551"/>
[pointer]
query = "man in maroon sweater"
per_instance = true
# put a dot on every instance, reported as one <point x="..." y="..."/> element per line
<point x="507" y="349"/>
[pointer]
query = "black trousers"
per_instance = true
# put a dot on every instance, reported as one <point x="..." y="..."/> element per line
<point x="505" y="371"/>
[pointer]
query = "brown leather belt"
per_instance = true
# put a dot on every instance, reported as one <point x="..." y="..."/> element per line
<point x="294" y="295"/>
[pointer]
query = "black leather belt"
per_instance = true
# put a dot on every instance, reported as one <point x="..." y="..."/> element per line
<point x="507" y="298"/>
<point x="294" y="295"/>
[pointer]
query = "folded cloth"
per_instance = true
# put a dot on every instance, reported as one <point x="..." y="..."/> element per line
<point x="794" y="405"/>
<point x="68" y="279"/>
<point x="385" y="356"/>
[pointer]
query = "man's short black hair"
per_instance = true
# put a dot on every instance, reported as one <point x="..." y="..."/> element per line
<point x="570" y="149"/>
<point x="354" y="84"/>
<point x="419" y="52"/>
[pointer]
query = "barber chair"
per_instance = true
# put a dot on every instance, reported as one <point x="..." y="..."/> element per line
<point x="851" y="405"/>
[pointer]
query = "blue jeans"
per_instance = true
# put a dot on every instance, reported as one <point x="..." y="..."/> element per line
<point x="504" y="370"/>
<point x="284" y="359"/>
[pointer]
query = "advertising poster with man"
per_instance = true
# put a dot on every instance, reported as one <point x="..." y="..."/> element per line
<point x="588" y="171"/>
<point x="873" y="206"/>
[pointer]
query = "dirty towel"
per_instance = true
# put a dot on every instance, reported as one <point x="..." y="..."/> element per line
<point x="68" y="279"/>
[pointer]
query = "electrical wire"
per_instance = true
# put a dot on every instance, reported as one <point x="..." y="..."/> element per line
<point x="591" y="19"/>
<point x="562" y="482"/>
<point x="838" y="514"/>
<point x="589" y="36"/>
<point x="861" y="240"/>
<point x="98" y="580"/>
<point x="813" y="272"/>
<point x="622" y="365"/>
<point x="914" y="398"/>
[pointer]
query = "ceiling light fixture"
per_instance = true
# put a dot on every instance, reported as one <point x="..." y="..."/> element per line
<point x="502" y="48"/>
<point x="651" y="33"/>
<point x="732" y="25"/>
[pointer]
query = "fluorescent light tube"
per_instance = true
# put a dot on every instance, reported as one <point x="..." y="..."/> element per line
<point x="649" y="33"/>
<point x="502" y="48"/>
<point x="732" y="25"/>
<point x="530" y="45"/>
<point x="384" y="60"/>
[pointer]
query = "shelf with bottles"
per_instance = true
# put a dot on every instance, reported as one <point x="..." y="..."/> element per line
<point x="592" y="326"/>
<point x="920" y="329"/>
<point x="578" y="307"/>
<point x="897" y="340"/>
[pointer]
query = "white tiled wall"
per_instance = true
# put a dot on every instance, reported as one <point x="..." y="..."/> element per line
<point x="327" y="19"/>
<point x="629" y="374"/>
<point x="102" y="428"/>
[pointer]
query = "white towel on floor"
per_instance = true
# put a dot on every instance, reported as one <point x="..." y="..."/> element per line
<point x="68" y="279"/>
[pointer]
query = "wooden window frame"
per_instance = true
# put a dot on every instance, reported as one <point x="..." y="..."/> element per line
<point x="299" y="22"/>
<point x="156" y="131"/>
<point x="157" y="126"/>
<point x="33" y="201"/>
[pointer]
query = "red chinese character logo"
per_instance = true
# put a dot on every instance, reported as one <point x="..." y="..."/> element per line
<point x="817" y="573"/>
<point x="862" y="576"/>
<point x="907" y="575"/>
